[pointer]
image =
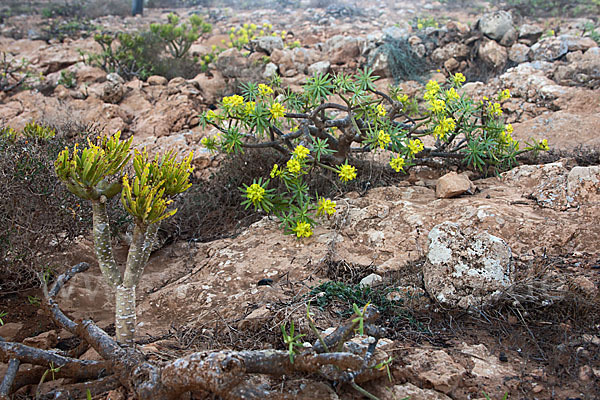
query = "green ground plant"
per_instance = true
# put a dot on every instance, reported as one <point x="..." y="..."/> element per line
<point x="95" y="174"/>
<point x="2" y="315"/>
<point x="316" y="134"/>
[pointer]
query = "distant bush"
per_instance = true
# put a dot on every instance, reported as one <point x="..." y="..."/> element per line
<point x="162" y="50"/>
<point x="555" y="8"/>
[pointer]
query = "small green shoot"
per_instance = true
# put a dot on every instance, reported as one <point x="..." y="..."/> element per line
<point x="2" y="315"/>
<point x="290" y="340"/>
<point x="34" y="301"/>
<point x="360" y="319"/>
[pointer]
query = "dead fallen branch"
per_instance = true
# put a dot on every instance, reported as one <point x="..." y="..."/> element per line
<point x="223" y="373"/>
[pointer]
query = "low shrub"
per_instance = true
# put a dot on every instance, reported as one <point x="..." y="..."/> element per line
<point x="314" y="133"/>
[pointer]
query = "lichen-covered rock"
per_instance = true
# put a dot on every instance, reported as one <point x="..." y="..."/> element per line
<point x="464" y="269"/>
<point x="495" y="25"/>
<point x="113" y="89"/>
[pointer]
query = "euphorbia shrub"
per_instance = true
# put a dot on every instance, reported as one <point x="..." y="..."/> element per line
<point x="95" y="174"/>
<point x="316" y="132"/>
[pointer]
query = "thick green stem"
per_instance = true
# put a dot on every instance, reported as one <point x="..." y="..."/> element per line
<point x="125" y="314"/>
<point x="102" y="243"/>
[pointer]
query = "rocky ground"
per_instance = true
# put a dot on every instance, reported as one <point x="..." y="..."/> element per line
<point x="515" y="309"/>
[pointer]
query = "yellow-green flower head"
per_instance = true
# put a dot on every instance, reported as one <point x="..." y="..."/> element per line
<point x="432" y="87"/>
<point x="347" y="173"/>
<point x="458" y="79"/>
<point x="326" y="206"/>
<point x="402" y="98"/>
<point x="509" y="128"/>
<point x="294" y="166"/>
<point x="415" y="146"/>
<point x="253" y="27"/>
<point x="255" y="193"/>
<point x="452" y="94"/>
<point x="277" y="110"/>
<point x="233" y="101"/>
<point x="381" y="111"/>
<point x="397" y="164"/>
<point x="437" y="106"/>
<point x="544" y="145"/>
<point x="249" y="108"/>
<point x="211" y="116"/>
<point x="276" y="171"/>
<point x="264" y="90"/>
<point x="383" y="139"/>
<point x="303" y="229"/>
<point x="300" y="152"/>
<point x="504" y="95"/>
<point x="495" y="109"/>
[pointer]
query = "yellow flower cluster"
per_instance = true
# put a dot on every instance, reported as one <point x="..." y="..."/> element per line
<point x="255" y="193"/>
<point x="504" y="95"/>
<point x="347" y="173"/>
<point x="294" y="166"/>
<point x="326" y="206"/>
<point x="277" y="110"/>
<point x="381" y="111"/>
<point x="264" y="90"/>
<point x="445" y="125"/>
<point x="397" y="164"/>
<point x="495" y="109"/>
<point x="544" y="145"/>
<point x="276" y="171"/>
<point x="437" y="106"/>
<point x="383" y="139"/>
<point x="431" y="90"/>
<point x="458" y="79"/>
<point x="300" y="152"/>
<point x="250" y="106"/>
<point x="302" y="229"/>
<point x="402" y="98"/>
<point x="415" y="146"/>
<point x="233" y="101"/>
<point x="452" y="94"/>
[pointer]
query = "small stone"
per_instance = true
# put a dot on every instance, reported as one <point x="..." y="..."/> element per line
<point x="452" y="185"/>
<point x="43" y="341"/>
<point x="10" y="330"/>
<point x="157" y="80"/>
<point x="370" y="280"/>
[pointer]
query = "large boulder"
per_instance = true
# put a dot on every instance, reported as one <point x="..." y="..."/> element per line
<point x="549" y="49"/>
<point x="342" y="49"/>
<point x="495" y="25"/>
<point x="465" y="269"/>
<point x="519" y="53"/>
<point x="267" y="44"/>
<point x="493" y="54"/>
<point x="458" y="51"/>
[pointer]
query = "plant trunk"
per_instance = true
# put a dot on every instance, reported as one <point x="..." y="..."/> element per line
<point x="103" y="245"/>
<point x="125" y="318"/>
<point x="139" y="252"/>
